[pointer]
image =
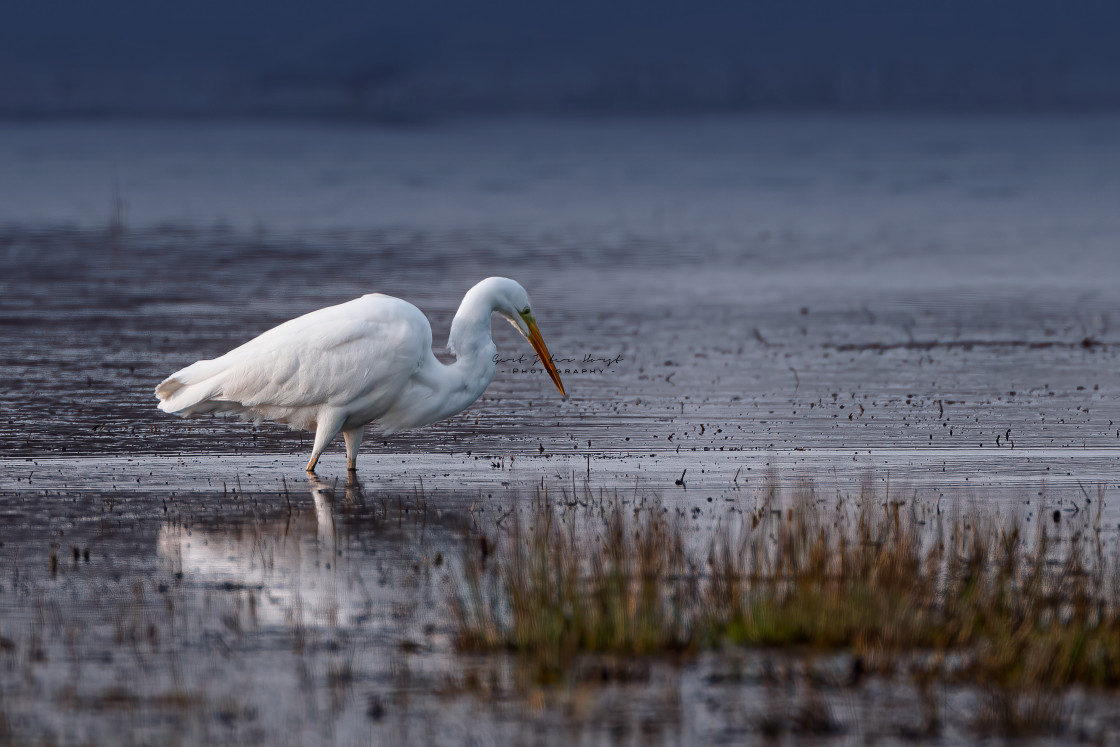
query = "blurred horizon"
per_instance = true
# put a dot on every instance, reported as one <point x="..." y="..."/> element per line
<point x="437" y="58"/>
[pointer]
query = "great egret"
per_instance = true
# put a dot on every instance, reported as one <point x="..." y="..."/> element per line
<point x="370" y="359"/>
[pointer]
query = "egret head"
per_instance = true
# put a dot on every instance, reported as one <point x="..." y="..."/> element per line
<point x="512" y="302"/>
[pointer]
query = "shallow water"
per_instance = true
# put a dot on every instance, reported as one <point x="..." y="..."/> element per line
<point x="214" y="600"/>
<point x="923" y="305"/>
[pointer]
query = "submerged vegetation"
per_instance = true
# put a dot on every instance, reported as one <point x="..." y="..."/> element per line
<point x="1024" y="606"/>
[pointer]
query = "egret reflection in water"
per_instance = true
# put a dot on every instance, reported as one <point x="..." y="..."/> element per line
<point x="290" y="565"/>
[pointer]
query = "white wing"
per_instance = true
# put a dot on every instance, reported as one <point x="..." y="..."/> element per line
<point x="357" y="354"/>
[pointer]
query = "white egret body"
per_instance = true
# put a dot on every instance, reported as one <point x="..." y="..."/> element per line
<point x="370" y="359"/>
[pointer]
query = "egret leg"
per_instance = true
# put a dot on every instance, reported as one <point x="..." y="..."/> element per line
<point x="327" y="428"/>
<point x="353" y="438"/>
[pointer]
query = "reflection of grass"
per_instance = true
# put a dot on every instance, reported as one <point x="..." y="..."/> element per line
<point x="1006" y="712"/>
<point x="889" y="582"/>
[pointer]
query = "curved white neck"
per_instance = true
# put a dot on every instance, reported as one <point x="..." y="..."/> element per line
<point x="470" y="329"/>
<point x="467" y="378"/>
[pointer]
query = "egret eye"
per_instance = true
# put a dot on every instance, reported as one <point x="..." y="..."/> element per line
<point x="525" y="311"/>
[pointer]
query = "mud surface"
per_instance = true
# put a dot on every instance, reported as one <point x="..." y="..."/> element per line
<point x="925" y="305"/>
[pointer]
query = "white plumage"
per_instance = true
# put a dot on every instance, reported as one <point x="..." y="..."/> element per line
<point x="366" y="360"/>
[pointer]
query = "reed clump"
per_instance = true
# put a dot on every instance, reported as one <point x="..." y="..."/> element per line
<point x="1015" y="604"/>
<point x="568" y="583"/>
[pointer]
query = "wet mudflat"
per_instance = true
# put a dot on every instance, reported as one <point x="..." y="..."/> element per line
<point x="215" y="602"/>
<point x="921" y="306"/>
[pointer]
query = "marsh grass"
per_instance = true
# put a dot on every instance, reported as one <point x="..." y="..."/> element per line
<point x="598" y="582"/>
<point x="962" y="596"/>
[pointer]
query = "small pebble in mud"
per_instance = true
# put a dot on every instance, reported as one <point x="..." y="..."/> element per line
<point x="1057" y="516"/>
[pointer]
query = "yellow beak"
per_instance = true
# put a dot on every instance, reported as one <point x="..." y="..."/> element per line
<point x="537" y="342"/>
